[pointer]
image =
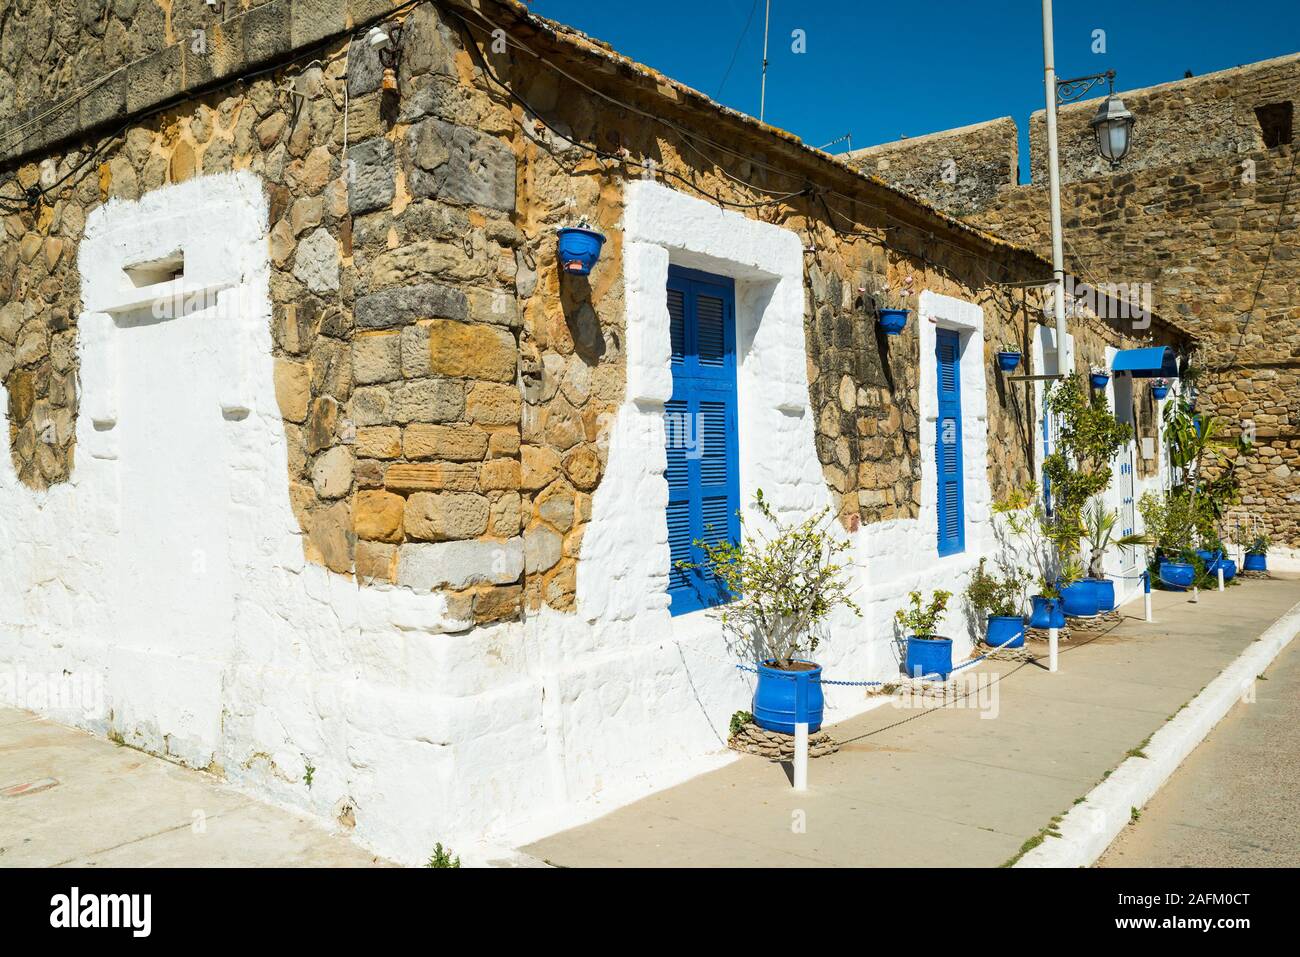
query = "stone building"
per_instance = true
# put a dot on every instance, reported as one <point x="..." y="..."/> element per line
<point x="339" y="485"/>
<point x="1205" y="209"/>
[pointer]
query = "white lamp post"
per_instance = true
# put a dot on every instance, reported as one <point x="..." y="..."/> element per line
<point x="1112" y="125"/>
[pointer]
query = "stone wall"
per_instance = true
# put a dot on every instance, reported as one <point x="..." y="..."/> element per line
<point x="958" y="170"/>
<point x="1200" y="118"/>
<point x="1219" y="252"/>
<point x="443" y="389"/>
<point x="1206" y="215"/>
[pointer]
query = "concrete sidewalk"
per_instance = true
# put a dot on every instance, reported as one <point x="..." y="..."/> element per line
<point x="946" y="787"/>
<point x="70" y="798"/>
<point x="1232" y="802"/>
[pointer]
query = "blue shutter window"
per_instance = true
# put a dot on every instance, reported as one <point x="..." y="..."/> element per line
<point x="952" y="508"/>
<point x="700" y="433"/>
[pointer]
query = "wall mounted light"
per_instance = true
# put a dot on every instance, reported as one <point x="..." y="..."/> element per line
<point x="386" y="42"/>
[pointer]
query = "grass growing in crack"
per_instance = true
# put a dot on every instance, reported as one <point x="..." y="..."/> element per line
<point x="1140" y="750"/>
<point x="1051" y="830"/>
<point x="1134" y="815"/>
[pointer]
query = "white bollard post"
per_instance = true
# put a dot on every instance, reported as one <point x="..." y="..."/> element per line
<point x="801" y="733"/>
<point x="1146" y="594"/>
<point x="1196" y="593"/>
<point x="801" y="756"/>
<point x="1220" y="570"/>
<point x="1051" y="649"/>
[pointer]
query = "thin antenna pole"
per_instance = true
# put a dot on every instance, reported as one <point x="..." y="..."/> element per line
<point x="762" y="95"/>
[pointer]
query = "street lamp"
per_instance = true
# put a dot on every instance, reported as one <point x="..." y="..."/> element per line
<point x="1112" y="125"/>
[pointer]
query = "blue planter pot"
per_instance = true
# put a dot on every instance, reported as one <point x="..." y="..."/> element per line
<point x="930" y="657"/>
<point x="1005" y="631"/>
<point x="1229" y="569"/>
<point x="893" y="321"/>
<point x="1079" y="600"/>
<point x="1008" y="360"/>
<point x="1104" y="589"/>
<point x="774" y="698"/>
<point x="1098" y="380"/>
<point x="1256" y="562"/>
<point x="1177" y="575"/>
<point x="1213" y="560"/>
<point x="1160" y="391"/>
<point x="1046" y="613"/>
<point x="579" y="249"/>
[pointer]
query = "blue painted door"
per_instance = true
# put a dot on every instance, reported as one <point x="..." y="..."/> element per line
<point x="952" y="509"/>
<point x="700" y="428"/>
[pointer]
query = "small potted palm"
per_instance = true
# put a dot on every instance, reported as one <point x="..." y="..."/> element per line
<point x="998" y="599"/>
<point x="784" y="581"/>
<point x="1099" y="532"/>
<point x="928" y="654"/>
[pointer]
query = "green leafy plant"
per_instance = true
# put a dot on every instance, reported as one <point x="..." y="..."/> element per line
<point x="442" y="857"/>
<point x="992" y="594"/>
<point x="1037" y="538"/>
<point x="308" y="773"/>
<point x="1175" y="522"/>
<point x="1205" y="465"/>
<point x="1079" y="465"/>
<point x="784" y="583"/>
<point x="921" y="619"/>
<point x="738" y="722"/>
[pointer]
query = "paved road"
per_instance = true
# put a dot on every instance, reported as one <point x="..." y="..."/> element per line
<point x="1233" y="802"/>
<point x="954" y="786"/>
<point x="67" y="797"/>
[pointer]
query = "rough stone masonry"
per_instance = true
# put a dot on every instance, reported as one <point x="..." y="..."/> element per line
<point x="1206" y="208"/>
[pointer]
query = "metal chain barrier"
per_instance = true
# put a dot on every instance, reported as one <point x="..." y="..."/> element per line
<point x="842" y="682"/>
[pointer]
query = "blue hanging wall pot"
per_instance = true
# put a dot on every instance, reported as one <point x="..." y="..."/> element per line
<point x="893" y="321"/>
<point x="1007" y="361"/>
<point x="579" y="249"/>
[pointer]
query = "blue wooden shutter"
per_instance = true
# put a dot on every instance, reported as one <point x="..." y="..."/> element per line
<point x="952" y="511"/>
<point x="700" y="432"/>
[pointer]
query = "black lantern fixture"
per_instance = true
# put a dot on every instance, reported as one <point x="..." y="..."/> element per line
<point x="1112" y="123"/>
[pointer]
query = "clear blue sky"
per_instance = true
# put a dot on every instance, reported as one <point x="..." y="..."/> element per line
<point x="879" y="70"/>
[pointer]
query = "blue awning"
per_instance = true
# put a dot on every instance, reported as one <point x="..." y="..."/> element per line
<point x="1147" y="363"/>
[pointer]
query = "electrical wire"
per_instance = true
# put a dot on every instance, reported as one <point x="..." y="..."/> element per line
<point x="689" y="137"/>
<point x="740" y="40"/>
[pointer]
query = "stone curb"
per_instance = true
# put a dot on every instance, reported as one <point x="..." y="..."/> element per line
<point x="1090" y="827"/>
